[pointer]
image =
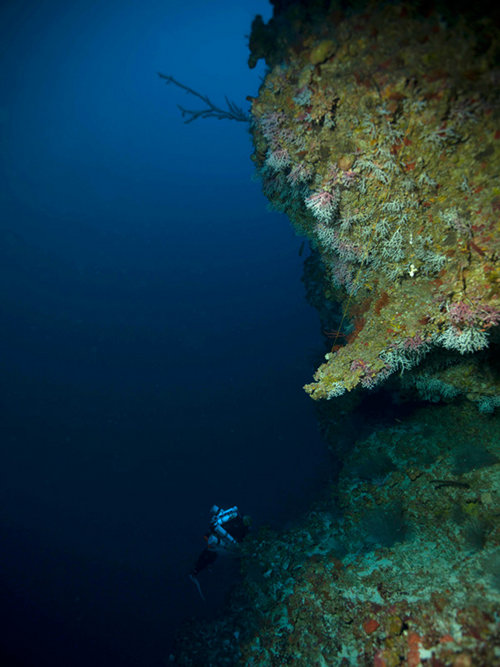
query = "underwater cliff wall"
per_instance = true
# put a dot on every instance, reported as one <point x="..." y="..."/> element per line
<point x="378" y="134"/>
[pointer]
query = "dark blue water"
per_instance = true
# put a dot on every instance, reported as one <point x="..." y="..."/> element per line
<point x="155" y="335"/>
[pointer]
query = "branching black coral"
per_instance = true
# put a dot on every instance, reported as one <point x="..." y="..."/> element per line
<point x="476" y="533"/>
<point x="440" y="483"/>
<point x="233" y="112"/>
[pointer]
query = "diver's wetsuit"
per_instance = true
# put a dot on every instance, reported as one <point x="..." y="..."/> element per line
<point x="227" y="530"/>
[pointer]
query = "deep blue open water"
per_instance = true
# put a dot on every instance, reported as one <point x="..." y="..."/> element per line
<point x="155" y="334"/>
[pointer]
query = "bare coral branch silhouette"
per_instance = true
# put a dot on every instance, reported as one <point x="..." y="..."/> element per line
<point x="233" y="112"/>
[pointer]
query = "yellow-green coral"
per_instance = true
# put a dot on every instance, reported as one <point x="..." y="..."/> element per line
<point x="381" y="141"/>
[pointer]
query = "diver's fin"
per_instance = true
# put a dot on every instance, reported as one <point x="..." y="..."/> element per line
<point x="197" y="584"/>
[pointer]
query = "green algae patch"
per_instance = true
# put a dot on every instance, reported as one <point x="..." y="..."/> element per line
<point x="322" y="52"/>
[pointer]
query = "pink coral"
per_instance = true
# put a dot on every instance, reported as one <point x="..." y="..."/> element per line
<point x="323" y="205"/>
<point x="461" y="313"/>
<point x="468" y="314"/>
<point x="414" y="343"/>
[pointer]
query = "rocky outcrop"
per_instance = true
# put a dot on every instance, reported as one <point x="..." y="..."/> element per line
<point x="378" y="134"/>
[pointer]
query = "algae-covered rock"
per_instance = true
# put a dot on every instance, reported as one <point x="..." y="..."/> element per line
<point x="322" y="52"/>
<point x="396" y="565"/>
<point x="378" y="134"/>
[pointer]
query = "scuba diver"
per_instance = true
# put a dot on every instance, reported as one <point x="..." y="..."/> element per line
<point x="227" y="529"/>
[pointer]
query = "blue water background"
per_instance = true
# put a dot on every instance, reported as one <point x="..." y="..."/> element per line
<point x="155" y="334"/>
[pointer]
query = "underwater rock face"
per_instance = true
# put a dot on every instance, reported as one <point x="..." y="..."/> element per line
<point x="408" y="575"/>
<point x="379" y="136"/>
<point x="397" y="564"/>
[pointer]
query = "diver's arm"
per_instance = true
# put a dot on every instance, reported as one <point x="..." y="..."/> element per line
<point x="224" y="535"/>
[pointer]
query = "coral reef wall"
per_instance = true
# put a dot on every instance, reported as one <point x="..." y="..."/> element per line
<point x="397" y="564"/>
<point x="378" y="133"/>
